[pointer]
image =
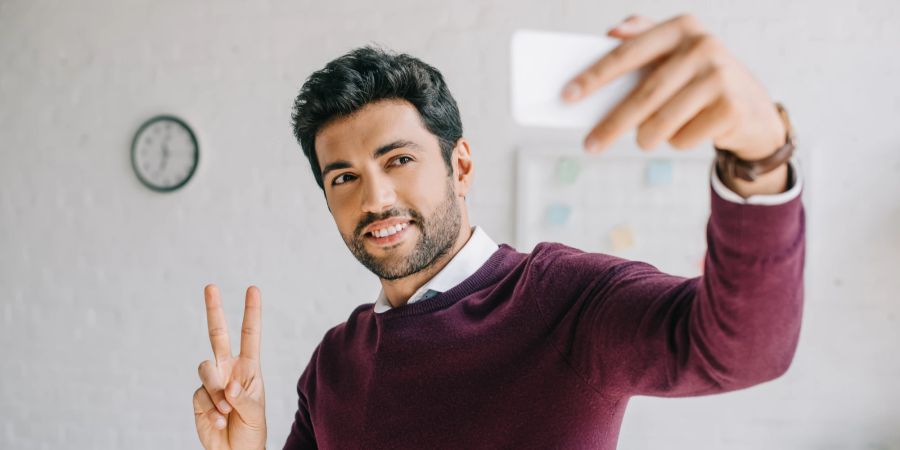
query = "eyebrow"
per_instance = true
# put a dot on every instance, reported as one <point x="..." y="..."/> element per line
<point x="342" y="164"/>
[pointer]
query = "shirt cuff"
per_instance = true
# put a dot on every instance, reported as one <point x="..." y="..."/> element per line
<point x="795" y="182"/>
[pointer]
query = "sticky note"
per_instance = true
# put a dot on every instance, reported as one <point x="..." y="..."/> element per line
<point x="621" y="237"/>
<point x="659" y="172"/>
<point x="558" y="213"/>
<point x="567" y="170"/>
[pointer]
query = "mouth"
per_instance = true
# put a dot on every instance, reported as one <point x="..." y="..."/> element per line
<point x="389" y="235"/>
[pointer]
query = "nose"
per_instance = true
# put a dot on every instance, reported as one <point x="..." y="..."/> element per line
<point x="378" y="194"/>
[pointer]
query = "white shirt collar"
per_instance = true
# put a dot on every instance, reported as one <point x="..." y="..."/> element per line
<point x="477" y="250"/>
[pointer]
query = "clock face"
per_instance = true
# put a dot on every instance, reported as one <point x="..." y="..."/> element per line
<point x="164" y="153"/>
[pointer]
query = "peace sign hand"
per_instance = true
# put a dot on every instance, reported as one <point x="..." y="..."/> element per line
<point x="230" y="407"/>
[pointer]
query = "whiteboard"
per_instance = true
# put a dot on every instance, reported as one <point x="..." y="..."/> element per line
<point x="650" y="207"/>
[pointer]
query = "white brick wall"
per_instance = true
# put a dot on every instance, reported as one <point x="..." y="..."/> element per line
<point x="101" y="313"/>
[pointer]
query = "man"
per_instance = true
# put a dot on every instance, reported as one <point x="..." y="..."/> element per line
<point x="475" y="345"/>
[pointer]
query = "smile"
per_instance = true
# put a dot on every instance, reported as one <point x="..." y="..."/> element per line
<point x="388" y="235"/>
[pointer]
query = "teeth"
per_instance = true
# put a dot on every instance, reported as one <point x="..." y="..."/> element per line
<point x="388" y="231"/>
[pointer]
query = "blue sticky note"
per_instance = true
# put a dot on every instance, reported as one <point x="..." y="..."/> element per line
<point x="659" y="172"/>
<point x="558" y="213"/>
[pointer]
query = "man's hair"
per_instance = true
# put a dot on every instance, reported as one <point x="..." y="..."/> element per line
<point x="368" y="74"/>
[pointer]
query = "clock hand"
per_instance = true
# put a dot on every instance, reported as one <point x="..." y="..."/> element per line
<point x="165" y="158"/>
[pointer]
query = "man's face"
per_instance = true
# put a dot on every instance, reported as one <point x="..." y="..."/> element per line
<point x="388" y="188"/>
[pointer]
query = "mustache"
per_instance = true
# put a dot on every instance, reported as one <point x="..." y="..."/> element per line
<point x="370" y="218"/>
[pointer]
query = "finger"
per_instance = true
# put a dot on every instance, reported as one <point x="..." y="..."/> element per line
<point x="250" y="407"/>
<point x="631" y="26"/>
<point x="632" y="54"/>
<point x="252" y="325"/>
<point x="204" y="409"/>
<point x="678" y="110"/>
<point x="711" y="122"/>
<point x="202" y="402"/>
<point x="215" y="320"/>
<point x="650" y="94"/>
<point x="215" y="385"/>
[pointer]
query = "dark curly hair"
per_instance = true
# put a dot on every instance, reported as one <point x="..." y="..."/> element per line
<point x="368" y="74"/>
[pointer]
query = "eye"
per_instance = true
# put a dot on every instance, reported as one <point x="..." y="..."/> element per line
<point x="341" y="179"/>
<point x="403" y="160"/>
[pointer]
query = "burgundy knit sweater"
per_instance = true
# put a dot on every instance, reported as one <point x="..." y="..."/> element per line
<point x="543" y="350"/>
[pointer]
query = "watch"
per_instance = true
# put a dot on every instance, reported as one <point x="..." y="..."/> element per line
<point x="729" y="165"/>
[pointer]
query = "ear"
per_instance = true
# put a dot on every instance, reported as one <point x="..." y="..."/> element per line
<point x="461" y="162"/>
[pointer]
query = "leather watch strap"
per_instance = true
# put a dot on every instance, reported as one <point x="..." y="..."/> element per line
<point x="731" y="166"/>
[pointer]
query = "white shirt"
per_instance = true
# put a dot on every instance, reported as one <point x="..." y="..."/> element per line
<point x="476" y="251"/>
<point x="479" y="248"/>
<point x="762" y="199"/>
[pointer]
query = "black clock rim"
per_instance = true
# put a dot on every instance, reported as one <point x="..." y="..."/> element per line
<point x="183" y="124"/>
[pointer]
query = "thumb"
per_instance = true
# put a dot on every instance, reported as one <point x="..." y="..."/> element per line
<point x="632" y="26"/>
<point x="248" y="400"/>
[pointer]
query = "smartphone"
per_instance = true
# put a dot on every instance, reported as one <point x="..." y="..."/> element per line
<point x="542" y="62"/>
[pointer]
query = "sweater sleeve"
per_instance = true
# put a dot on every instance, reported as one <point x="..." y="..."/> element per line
<point x="302" y="435"/>
<point x="628" y="329"/>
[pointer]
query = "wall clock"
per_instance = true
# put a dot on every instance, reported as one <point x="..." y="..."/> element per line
<point x="164" y="153"/>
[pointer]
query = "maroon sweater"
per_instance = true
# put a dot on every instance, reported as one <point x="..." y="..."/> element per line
<point x="543" y="350"/>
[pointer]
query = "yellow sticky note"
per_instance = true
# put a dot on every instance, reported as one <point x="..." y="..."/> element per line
<point x="621" y="237"/>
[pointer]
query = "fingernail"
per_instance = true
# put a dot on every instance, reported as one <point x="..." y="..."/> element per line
<point x="234" y="389"/>
<point x="625" y="27"/>
<point x="224" y="406"/>
<point x="592" y="145"/>
<point x="571" y="91"/>
<point x="220" y="423"/>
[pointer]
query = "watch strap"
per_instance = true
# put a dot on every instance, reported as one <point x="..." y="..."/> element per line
<point x="731" y="166"/>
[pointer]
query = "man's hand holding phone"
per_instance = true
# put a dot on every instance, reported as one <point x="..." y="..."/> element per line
<point x="696" y="90"/>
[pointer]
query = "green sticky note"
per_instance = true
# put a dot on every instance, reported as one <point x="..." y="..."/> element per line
<point x="567" y="170"/>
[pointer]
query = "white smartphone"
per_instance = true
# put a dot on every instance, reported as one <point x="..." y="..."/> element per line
<point x="544" y="61"/>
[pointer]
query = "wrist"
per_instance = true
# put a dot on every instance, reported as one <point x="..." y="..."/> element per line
<point x="768" y="174"/>
<point x="772" y="182"/>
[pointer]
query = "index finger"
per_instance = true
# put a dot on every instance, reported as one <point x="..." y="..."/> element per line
<point x="250" y="329"/>
<point x="632" y="54"/>
<point x="215" y="320"/>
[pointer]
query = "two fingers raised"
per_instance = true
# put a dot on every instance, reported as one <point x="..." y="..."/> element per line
<point x="215" y="374"/>
<point x="218" y="328"/>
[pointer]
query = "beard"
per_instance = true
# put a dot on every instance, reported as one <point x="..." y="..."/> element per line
<point x="437" y="234"/>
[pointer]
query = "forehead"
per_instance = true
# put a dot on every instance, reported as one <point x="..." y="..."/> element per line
<point x="373" y="125"/>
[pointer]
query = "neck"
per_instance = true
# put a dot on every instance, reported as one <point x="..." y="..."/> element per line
<point x="400" y="290"/>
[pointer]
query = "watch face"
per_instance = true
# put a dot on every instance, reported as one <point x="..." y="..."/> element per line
<point x="164" y="153"/>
